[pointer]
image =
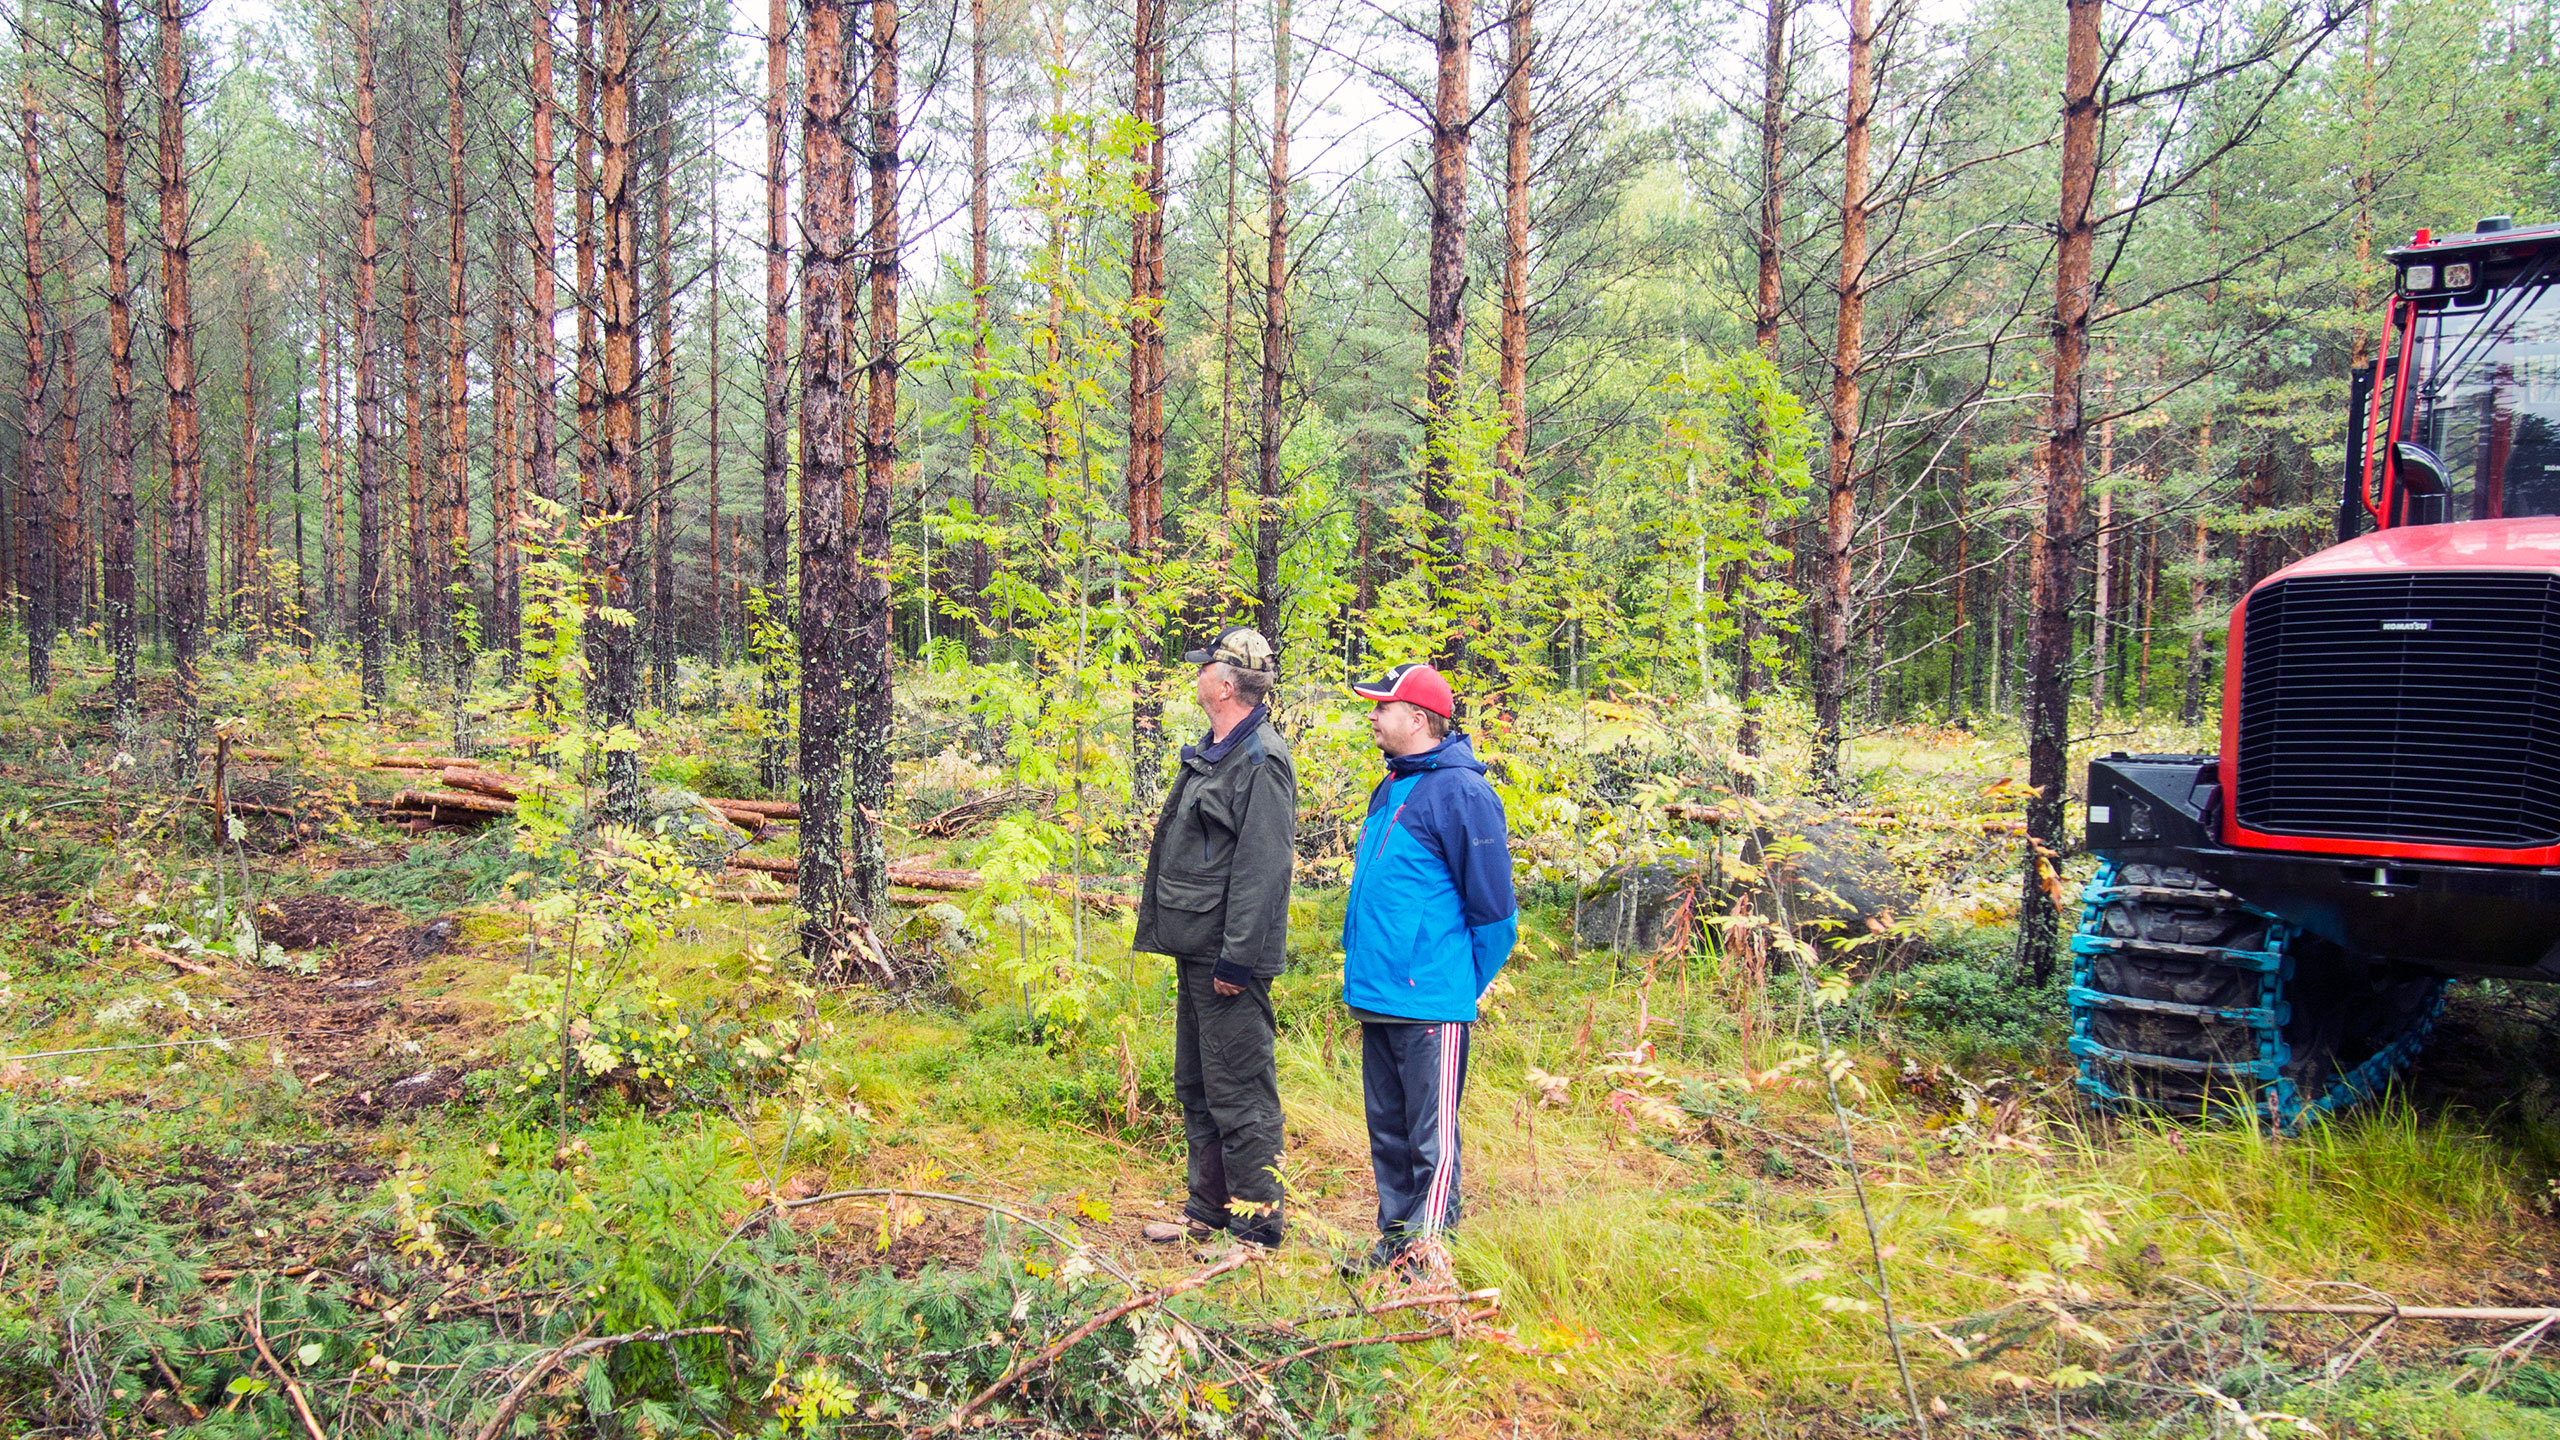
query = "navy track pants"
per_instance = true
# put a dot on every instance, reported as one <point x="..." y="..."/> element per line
<point x="1411" y="1079"/>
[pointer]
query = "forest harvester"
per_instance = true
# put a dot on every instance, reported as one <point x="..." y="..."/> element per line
<point x="2274" y="927"/>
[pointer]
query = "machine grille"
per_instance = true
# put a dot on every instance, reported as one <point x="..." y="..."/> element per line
<point x="2421" y="707"/>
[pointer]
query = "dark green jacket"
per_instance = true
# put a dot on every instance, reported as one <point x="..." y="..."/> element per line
<point x="1218" y="871"/>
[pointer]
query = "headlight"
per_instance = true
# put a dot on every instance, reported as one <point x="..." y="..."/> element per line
<point x="2418" y="277"/>
<point x="2457" y="277"/>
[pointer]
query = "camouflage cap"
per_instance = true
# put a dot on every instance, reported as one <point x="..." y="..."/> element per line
<point x="1241" y="646"/>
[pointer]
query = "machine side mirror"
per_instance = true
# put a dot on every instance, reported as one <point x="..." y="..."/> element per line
<point x="2421" y="478"/>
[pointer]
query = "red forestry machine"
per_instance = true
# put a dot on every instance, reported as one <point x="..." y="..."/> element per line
<point x="2274" y="927"/>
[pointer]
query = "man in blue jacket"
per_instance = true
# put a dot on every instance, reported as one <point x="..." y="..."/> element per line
<point x="1431" y="919"/>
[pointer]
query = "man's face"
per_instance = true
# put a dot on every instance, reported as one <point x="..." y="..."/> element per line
<point x="1214" y="686"/>
<point x="1399" y="728"/>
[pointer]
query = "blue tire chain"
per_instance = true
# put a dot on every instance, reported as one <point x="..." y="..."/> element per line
<point x="2276" y="1098"/>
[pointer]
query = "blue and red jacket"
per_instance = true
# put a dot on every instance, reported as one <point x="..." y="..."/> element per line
<point x="1432" y="916"/>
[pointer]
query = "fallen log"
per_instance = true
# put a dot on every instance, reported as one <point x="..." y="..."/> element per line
<point x="457" y="800"/>
<point x="769" y="809"/>
<point x="192" y="967"/>
<point x="423" y="810"/>
<point x="747" y="820"/>
<point x="482" y="782"/>
<point x="421" y="762"/>
<point x="943" y="881"/>
<point x="1695" y="814"/>
<point x="959" y="880"/>
<point x="248" y="807"/>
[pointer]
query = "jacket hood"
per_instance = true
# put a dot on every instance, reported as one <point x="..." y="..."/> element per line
<point x="1453" y="753"/>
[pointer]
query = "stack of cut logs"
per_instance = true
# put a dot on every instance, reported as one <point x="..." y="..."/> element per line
<point x="473" y="796"/>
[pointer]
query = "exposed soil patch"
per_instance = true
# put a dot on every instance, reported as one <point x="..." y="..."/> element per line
<point x="947" y="1241"/>
<point x="391" y="1091"/>
<point x="350" y="1026"/>
<point x="35" y="905"/>
<point x="307" y="922"/>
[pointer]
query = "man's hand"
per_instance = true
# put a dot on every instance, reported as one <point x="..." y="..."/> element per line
<point x="1223" y="988"/>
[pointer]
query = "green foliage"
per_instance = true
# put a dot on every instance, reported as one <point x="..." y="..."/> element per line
<point x="1969" y="995"/>
<point x="436" y="873"/>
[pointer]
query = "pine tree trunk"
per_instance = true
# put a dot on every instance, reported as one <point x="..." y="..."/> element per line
<point x="37" y="560"/>
<point x="718" y="637"/>
<point x="178" y="369"/>
<point x="827" y="209"/>
<point x="981" y="327"/>
<point x="121" y="639"/>
<point x="414" y="424"/>
<point x="867" y="756"/>
<point x="1961" y="634"/>
<point x="589" y="382"/>
<point x="506" y="471"/>
<point x="2199" y="606"/>
<point x="1145" y="477"/>
<point x="330" y="620"/>
<point x="1048" y="389"/>
<point x="619" y="535"/>
<point x="1777" y="77"/>
<point x="662" y="404"/>
<point x="1835" y="600"/>
<point x="2054" y="565"/>
<point x="452" y="571"/>
<point x="71" y="508"/>
<point x="1269" y="508"/>
<point x="301" y="568"/>
<point x="1511" y="453"/>
<point x="370" y="601"/>
<point x="247" y="586"/>
<point x="543" y="403"/>
<point x="2104" y="578"/>
<point x="1444" y="316"/>
<point x="1228" y="264"/>
<point x="776" y="570"/>
<point x="2150" y="598"/>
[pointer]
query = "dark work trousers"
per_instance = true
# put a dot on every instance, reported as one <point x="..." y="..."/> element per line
<point x="1229" y="1086"/>
<point x="1411" y="1078"/>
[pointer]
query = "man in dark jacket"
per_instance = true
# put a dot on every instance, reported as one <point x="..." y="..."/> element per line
<point x="1431" y="919"/>
<point x="1217" y="901"/>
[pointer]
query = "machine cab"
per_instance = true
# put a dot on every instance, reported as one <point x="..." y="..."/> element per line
<point x="2459" y="418"/>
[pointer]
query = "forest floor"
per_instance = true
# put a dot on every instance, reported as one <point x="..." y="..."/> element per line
<point x="415" y="1188"/>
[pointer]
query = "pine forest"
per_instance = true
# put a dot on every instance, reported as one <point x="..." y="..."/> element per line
<point x="631" y="611"/>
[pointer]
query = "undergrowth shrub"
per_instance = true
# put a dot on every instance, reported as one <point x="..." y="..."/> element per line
<point x="437" y="874"/>
<point x="1969" y="996"/>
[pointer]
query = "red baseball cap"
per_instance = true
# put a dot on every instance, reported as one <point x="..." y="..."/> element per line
<point x="1414" y="684"/>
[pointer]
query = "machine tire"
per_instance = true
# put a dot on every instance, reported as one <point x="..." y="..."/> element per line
<point x="2187" y="1000"/>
